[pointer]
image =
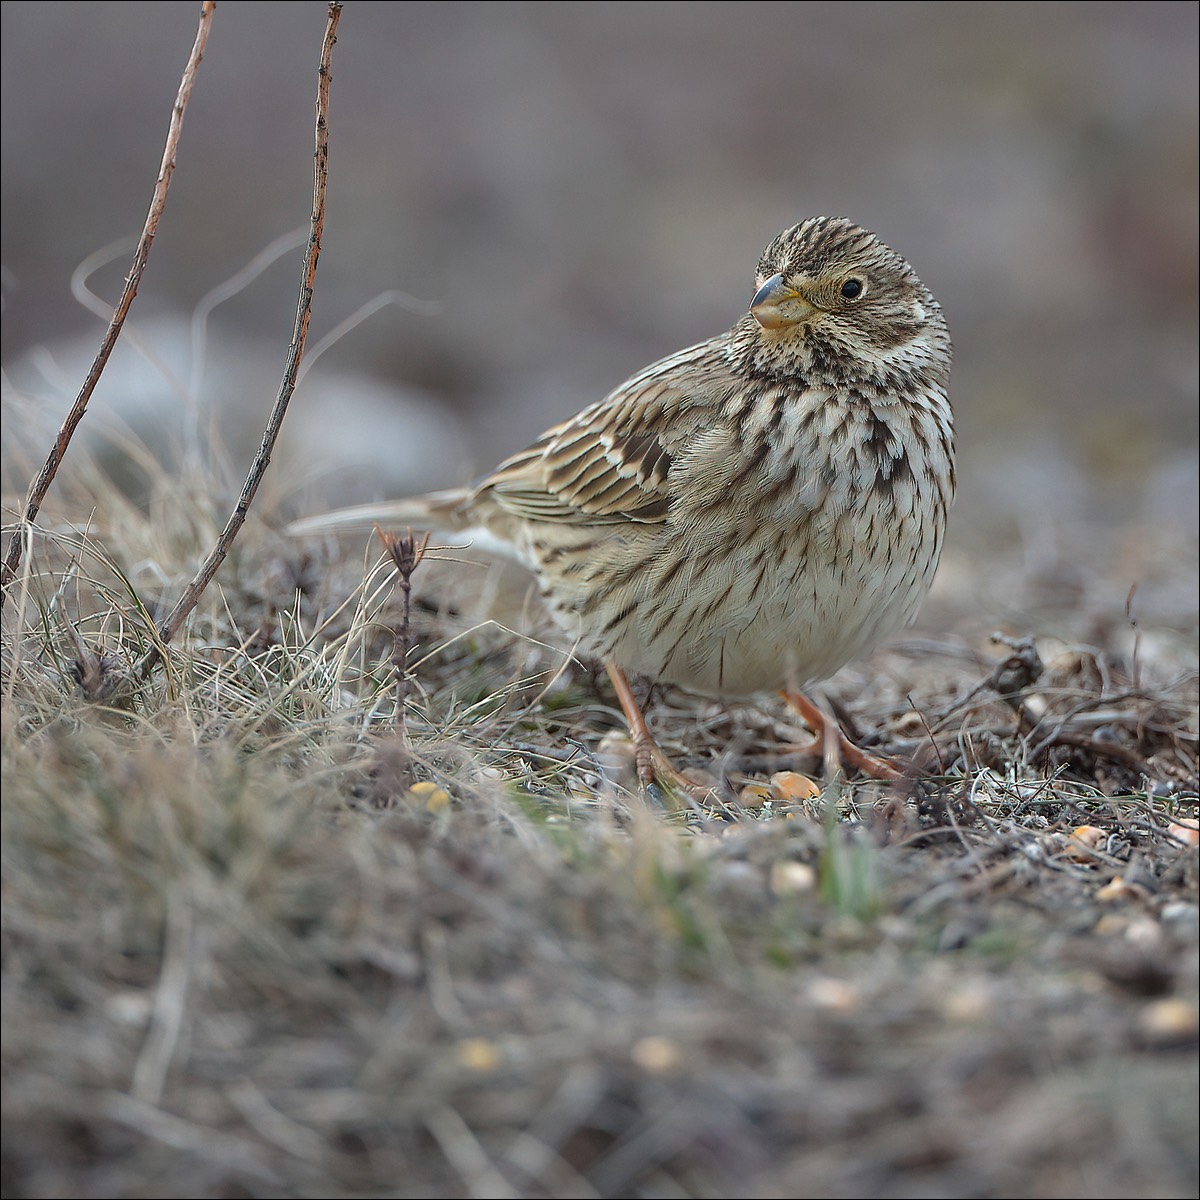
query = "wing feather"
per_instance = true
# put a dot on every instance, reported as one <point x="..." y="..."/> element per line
<point x="611" y="462"/>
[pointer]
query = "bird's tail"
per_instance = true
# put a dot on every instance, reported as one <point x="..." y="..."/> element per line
<point x="439" y="512"/>
<point x="446" y="516"/>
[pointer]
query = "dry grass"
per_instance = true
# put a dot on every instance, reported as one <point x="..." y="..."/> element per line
<point x="260" y="940"/>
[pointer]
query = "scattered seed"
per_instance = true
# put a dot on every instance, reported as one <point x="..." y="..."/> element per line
<point x="790" y="878"/>
<point x="656" y="1055"/>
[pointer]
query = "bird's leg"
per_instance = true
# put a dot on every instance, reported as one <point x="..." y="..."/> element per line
<point x="653" y="765"/>
<point x="833" y="745"/>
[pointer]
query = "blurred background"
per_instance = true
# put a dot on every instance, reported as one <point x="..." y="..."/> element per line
<point x="580" y="189"/>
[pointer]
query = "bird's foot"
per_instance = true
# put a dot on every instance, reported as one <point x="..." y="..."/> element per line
<point x="655" y="770"/>
<point x="834" y="747"/>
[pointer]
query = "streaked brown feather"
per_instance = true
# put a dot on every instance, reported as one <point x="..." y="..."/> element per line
<point x="757" y="509"/>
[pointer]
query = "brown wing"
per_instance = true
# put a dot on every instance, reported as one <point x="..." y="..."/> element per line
<point x="610" y="462"/>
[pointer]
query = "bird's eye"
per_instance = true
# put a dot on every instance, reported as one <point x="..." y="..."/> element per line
<point x="852" y="289"/>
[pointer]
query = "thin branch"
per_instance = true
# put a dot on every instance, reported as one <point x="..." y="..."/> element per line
<point x="362" y="313"/>
<point x="12" y="559"/>
<point x="170" y="627"/>
<point x="226" y="290"/>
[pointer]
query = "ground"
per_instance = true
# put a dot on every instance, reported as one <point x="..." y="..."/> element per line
<point x="262" y="939"/>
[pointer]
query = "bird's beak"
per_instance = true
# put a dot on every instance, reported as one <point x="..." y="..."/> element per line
<point x="776" y="305"/>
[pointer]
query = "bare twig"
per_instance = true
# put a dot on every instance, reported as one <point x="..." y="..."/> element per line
<point x="170" y="627"/>
<point x="937" y="750"/>
<point x="12" y="559"/>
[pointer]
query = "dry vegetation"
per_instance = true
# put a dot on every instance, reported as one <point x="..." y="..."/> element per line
<point x="260" y="940"/>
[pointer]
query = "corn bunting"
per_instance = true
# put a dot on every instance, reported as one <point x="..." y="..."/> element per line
<point x="747" y="514"/>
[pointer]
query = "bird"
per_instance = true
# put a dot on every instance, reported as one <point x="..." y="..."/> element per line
<point x="748" y="514"/>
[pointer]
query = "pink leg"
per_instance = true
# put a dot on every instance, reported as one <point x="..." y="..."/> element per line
<point x="653" y="766"/>
<point x="834" y="746"/>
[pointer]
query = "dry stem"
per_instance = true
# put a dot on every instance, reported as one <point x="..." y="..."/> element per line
<point x="12" y="560"/>
<point x="406" y="553"/>
<point x="262" y="459"/>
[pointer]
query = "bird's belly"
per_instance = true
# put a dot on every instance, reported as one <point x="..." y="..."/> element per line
<point x="768" y="613"/>
<point x="768" y="645"/>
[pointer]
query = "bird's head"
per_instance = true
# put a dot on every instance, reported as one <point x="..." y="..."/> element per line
<point x="834" y="304"/>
